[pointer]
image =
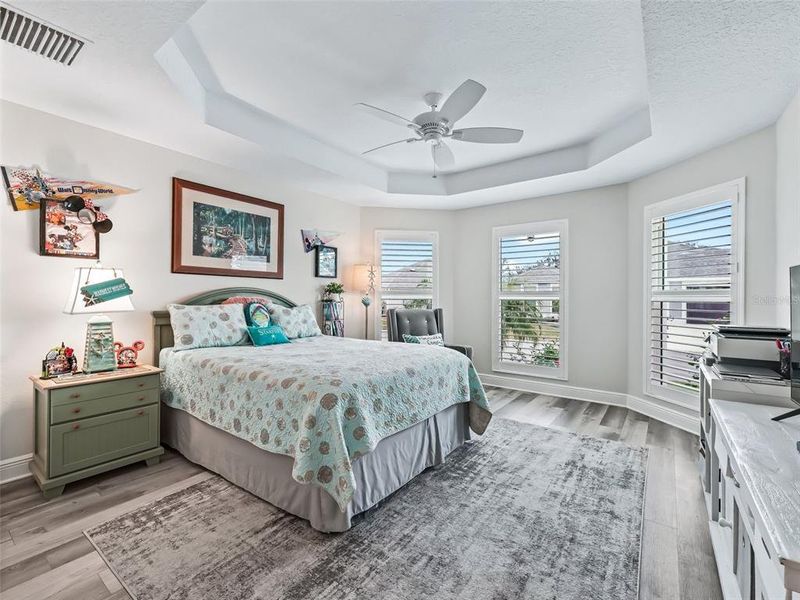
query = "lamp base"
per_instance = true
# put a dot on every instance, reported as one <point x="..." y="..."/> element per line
<point x="98" y="355"/>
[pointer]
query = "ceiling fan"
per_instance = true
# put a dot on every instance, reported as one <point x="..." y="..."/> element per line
<point x="436" y="125"/>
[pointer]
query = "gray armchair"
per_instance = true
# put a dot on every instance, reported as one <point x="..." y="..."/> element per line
<point x="419" y="321"/>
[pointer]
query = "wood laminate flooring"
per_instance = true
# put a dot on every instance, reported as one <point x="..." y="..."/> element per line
<point x="45" y="556"/>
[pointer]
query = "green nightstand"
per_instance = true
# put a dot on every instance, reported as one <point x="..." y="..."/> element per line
<point x="89" y="424"/>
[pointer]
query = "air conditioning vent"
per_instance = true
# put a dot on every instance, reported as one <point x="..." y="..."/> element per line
<point x="33" y="34"/>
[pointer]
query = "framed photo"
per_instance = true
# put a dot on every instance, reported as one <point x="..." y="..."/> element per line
<point x="64" y="233"/>
<point x="216" y="232"/>
<point x="326" y="262"/>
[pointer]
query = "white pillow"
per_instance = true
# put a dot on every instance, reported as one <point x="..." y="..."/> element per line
<point x="296" y="322"/>
<point x="208" y="326"/>
<point x="435" y="339"/>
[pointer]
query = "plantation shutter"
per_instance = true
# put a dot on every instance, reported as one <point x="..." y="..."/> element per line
<point x="407" y="274"/>
<point x="528" y="327"/>
<point x="692" y="268"/>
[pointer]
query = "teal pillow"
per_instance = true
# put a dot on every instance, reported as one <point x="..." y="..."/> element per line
<point x="426" y="340"/>
<point x="267" y="336"/>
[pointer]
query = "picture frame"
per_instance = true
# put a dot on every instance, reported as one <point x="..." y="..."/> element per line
<point x="326" y="262"/>
<point x="62" y="233"/>
<point x="219" y="232"/>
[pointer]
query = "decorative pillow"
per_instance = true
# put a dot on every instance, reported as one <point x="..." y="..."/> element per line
<point x="267" y="336"/>
<point x="207" y="326"/>
<point x="256" y="314"/>
<point x="296" y="322"/>
<point x="426" y="340"/>
<point x="247" y="300"/>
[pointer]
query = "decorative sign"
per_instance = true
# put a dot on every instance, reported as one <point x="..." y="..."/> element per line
<point x="314" y="237"/>
<point x="96" y="293"/>
<point x="27" y="186"/>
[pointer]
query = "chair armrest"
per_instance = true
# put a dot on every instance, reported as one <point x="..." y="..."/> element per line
<point x="465" y="350"/>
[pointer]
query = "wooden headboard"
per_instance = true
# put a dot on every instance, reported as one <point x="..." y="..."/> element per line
<point x="162" y="329"/>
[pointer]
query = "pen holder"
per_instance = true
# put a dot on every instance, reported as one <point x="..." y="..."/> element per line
<point x="785" y="364"/>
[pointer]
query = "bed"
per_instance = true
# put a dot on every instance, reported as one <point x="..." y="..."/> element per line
<point x="324" y="428"/>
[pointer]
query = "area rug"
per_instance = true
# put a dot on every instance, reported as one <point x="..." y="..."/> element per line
<point x="523" y="512"/>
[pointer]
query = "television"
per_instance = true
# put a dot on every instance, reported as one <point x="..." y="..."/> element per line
<point x="794" y="302"/>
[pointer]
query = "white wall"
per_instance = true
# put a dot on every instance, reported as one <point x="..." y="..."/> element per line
<point x="597" y="291"/>
<point x="34" y="288"/>
<point x="787" y="199"/>
<point x="753" y="157"/>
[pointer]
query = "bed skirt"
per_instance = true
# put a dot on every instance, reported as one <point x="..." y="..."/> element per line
<point x="396" y="460"/>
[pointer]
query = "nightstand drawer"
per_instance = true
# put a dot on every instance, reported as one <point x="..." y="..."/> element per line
<point x="81" y="409"/>
<point x="81" y="444"/>
<point x="78" y="393"/>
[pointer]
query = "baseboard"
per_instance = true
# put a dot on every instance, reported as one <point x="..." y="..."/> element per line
<point x="656" y="409"/>
<point x="555" y="389"/>
<point x="647" y="406"/>
<point x="15" y="468"/>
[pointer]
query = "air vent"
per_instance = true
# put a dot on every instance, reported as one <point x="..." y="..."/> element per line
<point x="33" y="34"/>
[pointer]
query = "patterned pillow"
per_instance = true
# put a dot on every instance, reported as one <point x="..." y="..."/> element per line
<point x="208" y="326"/>
<point x="256" y="314"/>
<point x="296" y="322"/>
<point x="426" y="340"/>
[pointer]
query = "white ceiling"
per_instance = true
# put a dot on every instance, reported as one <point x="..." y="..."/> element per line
<point x="390" y="54"/>
<point x="564" y="72"/>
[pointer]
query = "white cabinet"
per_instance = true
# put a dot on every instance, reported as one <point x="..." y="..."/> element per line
<point x="751" y="477"/>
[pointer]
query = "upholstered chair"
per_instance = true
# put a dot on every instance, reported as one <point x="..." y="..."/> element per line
<point x="419" y="321"/>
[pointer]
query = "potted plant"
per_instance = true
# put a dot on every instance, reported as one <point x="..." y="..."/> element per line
<point x="332" y="292"/>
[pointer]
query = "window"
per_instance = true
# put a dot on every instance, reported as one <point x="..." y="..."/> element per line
<point x="694" y="281"/>
<point x="529" y="295"/>
<point x="408" y="271"/>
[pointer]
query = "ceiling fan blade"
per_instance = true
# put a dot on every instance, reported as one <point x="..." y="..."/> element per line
<point x="488" y="135"/>
<point x="443" y="156"/>
<point x="384" y="114"/>
<point x="462" y="100"/>
<point x="408" y="141"/>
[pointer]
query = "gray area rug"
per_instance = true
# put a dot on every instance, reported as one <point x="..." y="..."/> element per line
<point x="523" y="512"/>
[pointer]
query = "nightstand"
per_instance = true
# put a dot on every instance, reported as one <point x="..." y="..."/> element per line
<point x="91" y="423"/>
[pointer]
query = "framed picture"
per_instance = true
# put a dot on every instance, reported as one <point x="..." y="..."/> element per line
<point x="326" y="262"/>
<point x="64" y="233"/>
<point x="216" y="232"/>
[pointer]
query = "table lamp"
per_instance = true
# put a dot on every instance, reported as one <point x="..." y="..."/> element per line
<point x="97" y="290"/>
<point x="364" y="282"/>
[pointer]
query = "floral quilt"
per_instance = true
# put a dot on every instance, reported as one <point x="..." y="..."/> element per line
<point x="324" y="401"/>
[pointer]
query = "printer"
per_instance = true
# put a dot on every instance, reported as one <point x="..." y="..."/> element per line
<point x="751" y="346"/>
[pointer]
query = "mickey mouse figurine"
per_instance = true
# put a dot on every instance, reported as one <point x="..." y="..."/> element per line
<point x="127" y="355"/>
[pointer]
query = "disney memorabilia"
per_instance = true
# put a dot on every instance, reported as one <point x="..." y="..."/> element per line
<point x="127" y="355"/>
<point x="63" y="233"/>
<point x="60" y="360"/>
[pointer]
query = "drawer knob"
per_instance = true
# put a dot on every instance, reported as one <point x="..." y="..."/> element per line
<point x="76" y="426"/>
<point x="74" y="395"/>
<point x="76" y="410"/>
<point x="140" y="398"/>
<point x="140" y="413"/>
<point x="141" y="385"/>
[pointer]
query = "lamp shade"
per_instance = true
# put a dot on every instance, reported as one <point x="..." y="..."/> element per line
<point x="364" y="278"/>
<point x="86" y="296"/>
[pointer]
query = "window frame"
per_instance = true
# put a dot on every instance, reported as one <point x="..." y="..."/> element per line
<point x="402" y="235"/>
<point x="735" y="191"/>
<point x="533" y="228"/>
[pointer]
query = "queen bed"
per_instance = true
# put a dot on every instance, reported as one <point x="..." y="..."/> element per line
<point x="322" y="427"/>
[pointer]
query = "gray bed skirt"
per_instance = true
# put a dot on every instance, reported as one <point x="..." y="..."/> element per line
<point x="395" y="461"/>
